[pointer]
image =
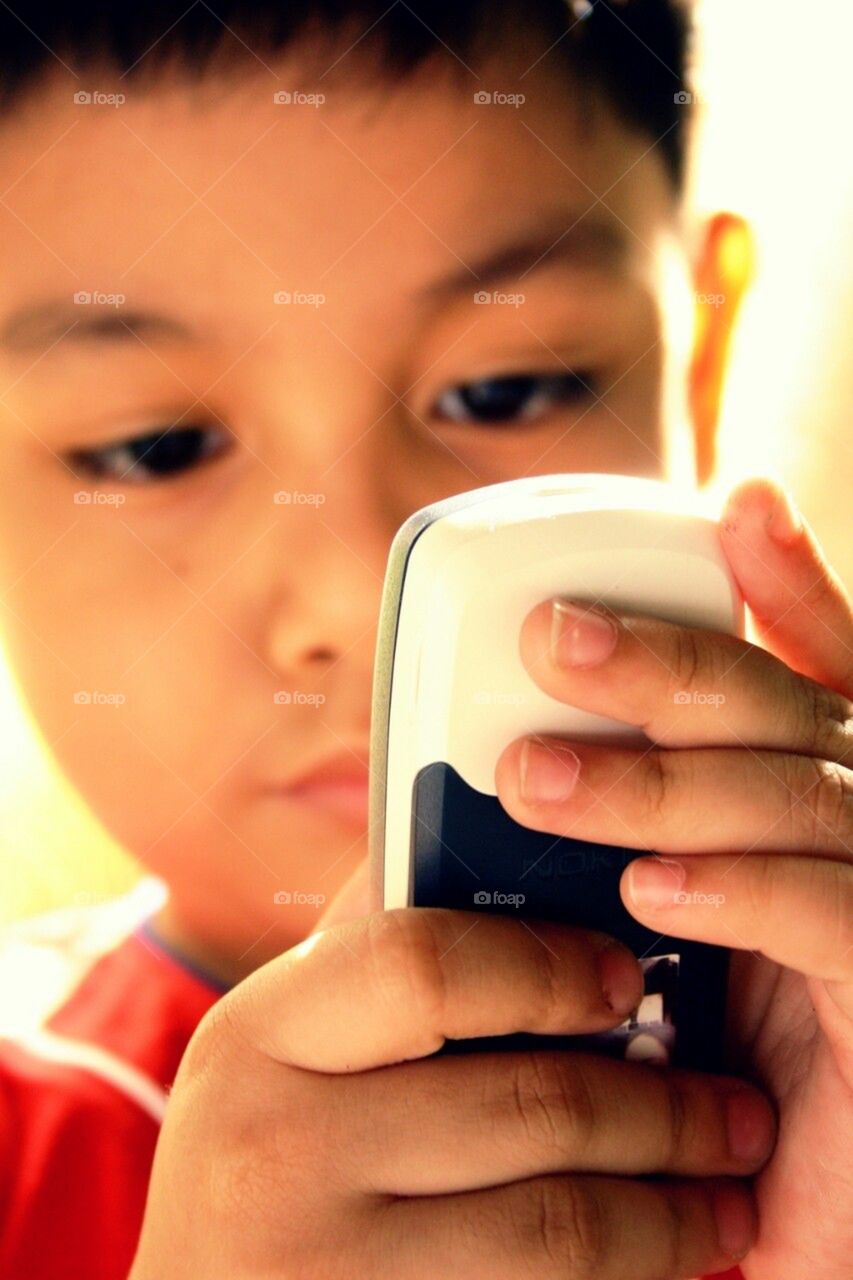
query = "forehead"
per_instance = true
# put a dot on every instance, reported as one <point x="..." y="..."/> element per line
<point x="206" y="200"/>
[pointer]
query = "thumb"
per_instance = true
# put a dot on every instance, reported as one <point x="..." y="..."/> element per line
<point x="352" y="900"/>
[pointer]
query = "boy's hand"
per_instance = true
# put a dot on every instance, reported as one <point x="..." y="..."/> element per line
<point x="310" y="1135"/>
<point x="749" y="782"/>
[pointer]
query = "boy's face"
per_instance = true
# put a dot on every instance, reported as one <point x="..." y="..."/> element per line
<point x="197" y="597"/>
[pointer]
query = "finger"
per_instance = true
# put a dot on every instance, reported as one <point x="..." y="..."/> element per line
<point x="682" y="686"/>
<point x="673" y="801"/>
<point x="396" y="984"/>
<point x="571" y="1228"/>
<point x="801" y="610"/>
<point x="502" y="1117"/>
<point x="793" y="910"/>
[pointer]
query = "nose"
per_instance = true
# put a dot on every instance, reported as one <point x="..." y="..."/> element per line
<point x="332" y="548"/>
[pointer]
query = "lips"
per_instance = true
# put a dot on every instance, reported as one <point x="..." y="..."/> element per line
<point x="345" y="767"/>
<point x="338" y="784"/>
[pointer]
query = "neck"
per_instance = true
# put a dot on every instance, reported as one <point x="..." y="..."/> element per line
<point x="221" y="964"/>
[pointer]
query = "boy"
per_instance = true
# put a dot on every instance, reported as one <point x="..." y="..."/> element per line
<point x="225" y="388"/>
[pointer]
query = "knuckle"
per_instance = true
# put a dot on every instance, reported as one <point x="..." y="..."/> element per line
<point x="674" y="1237"/>
<point x="680" y="1128"/>
<point x="834" y="802"/>
<point x="554" y="1105"/>
<point x="760" y="890"/>
<point x="688" y="659"/>
<point x="658" y="782"/>
<point x="405" y="956"/>
<point x="834" y="885"/>
<point x="825" y="719"/>
<point x="568" y="1227"/>
<point x="821" y="802"/>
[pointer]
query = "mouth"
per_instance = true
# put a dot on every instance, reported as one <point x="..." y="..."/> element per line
<point x="337" y="786"/>
<point x="348" y="800"/>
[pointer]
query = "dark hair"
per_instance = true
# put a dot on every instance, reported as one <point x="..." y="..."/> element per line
<point x="635" y="52"/>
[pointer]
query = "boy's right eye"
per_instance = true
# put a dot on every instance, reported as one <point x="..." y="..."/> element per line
<point x="160" y="454"/>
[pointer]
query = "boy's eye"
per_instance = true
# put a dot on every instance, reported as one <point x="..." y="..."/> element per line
<point x="156" y="455"/>
<point x="502" y="399"/>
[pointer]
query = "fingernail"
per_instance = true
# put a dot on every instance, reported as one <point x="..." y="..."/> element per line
<point x="621" y="977"/>
<point x="784" y="523"/>
<point x="751" y="1126"/>
<point x="655" y="882"/>
<point x="548" y="773"/>
<point x="735" y="1221"/>
<point x="580" y="636"/>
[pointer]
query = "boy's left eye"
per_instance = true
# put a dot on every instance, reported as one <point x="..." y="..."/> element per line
<point x="517" y="396"/>
<point x="154" y="455"/>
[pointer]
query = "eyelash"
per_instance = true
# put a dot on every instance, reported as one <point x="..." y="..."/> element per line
<point x="143" y="453"/>
<point x="553" y="390"/>
<point x="138" y="456"/>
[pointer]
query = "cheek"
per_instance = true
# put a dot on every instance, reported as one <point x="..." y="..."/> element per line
<point x="638" y="408"/>
<point x="640" y="412"/>
<point x="124" y="675"/>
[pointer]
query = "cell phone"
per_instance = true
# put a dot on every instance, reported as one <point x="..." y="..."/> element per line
<point x="451" y="692"/>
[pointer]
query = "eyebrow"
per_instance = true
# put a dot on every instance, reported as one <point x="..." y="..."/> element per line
<point x="574" y="241"/>
<point x="588" y="242"/>
<point x="39" y="325"/>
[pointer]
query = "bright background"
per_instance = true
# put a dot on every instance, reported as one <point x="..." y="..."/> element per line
<point x="774" y="79"/>
<point x="774" y="146"/>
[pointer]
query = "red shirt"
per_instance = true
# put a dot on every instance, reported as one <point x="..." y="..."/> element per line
<point x="95" y="1014"/>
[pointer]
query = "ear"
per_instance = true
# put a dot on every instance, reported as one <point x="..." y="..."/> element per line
<point x="722" y="270"/>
